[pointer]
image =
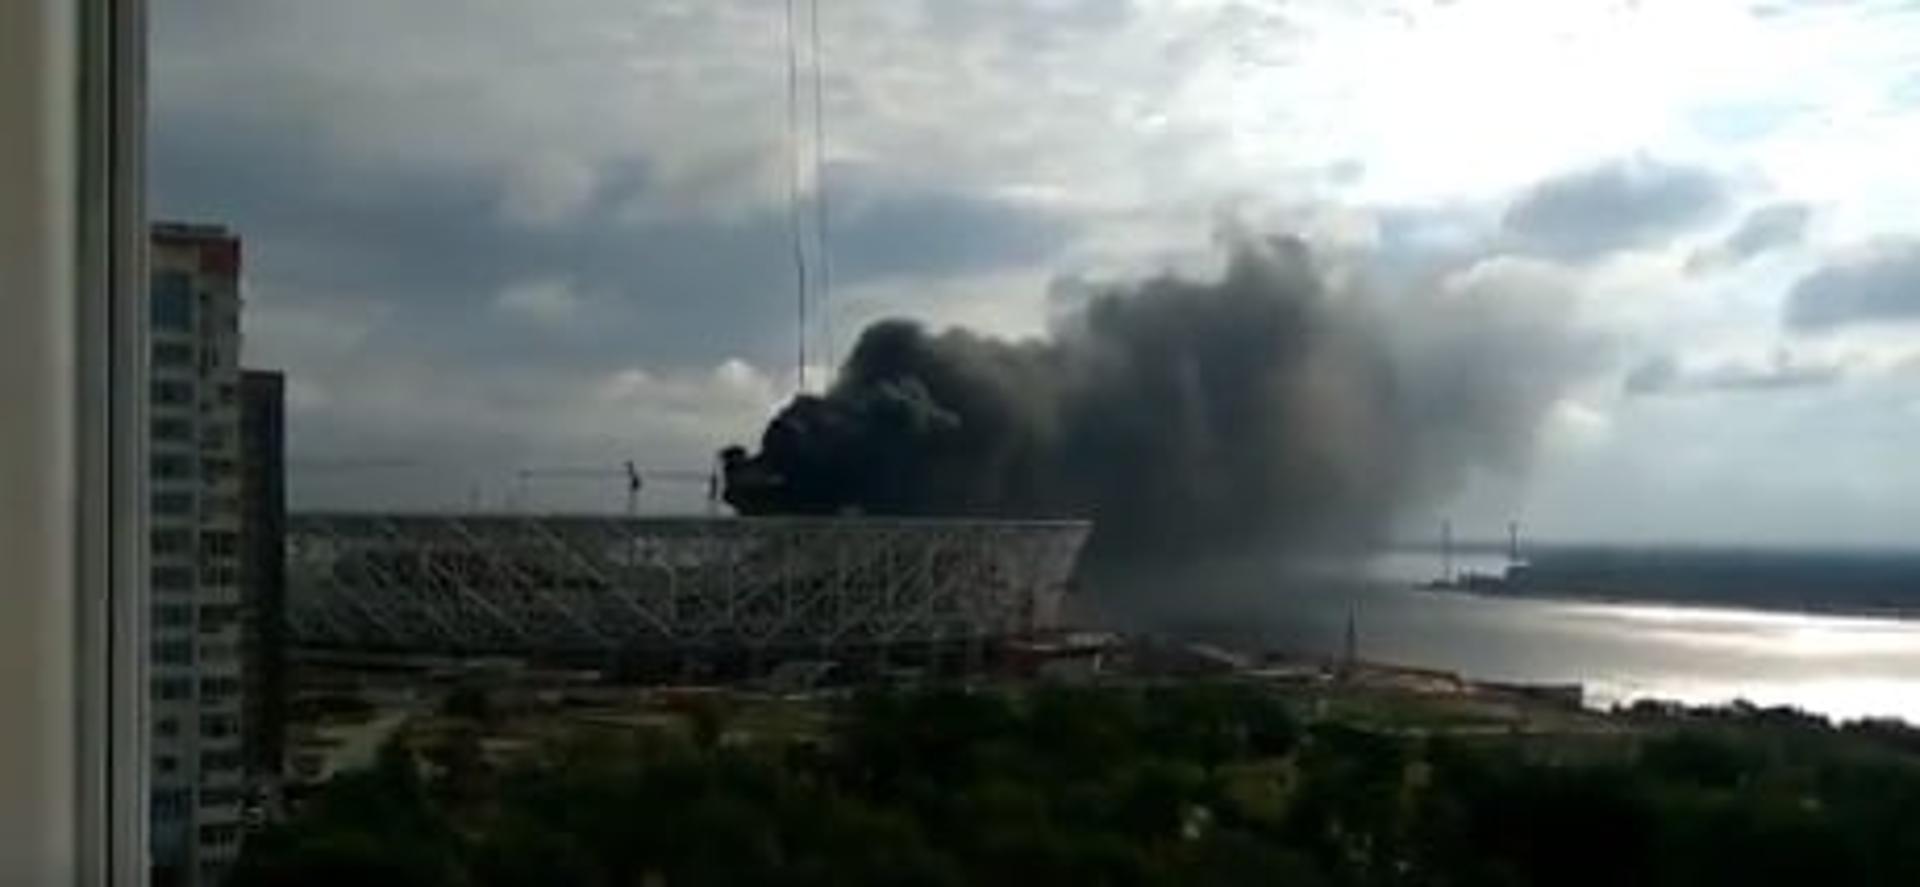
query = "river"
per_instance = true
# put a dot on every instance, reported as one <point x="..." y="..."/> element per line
<point x="1841" y="666"/>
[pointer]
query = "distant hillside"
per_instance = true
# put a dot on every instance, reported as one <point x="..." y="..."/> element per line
<point x="1817" y="581"/>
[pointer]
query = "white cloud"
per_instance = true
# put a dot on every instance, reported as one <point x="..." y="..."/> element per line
<point x="294" y="328"/>
<point x="306" y="396"/>
<point x="732" y="387"/>
<point x="741" y="378"/>
<point x="547" y="191"/>
<point x="550" y="301"/>
<point x="1574" y="424"/>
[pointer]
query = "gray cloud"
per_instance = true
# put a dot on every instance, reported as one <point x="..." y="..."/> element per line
<point x="1769" y="227"/>
<point x="1763" y="230"/>
<point x="1879" y="283"/>
<point x="1064" y="22"/>
<point x="1664" y="374"/>
<point x="434" y="249"/>
<point x="1419" y="243"/>
<point x="391" y="208"/>
<point x="1626" y="203"/>
<point x="1652" y="376"/>
<point x="395" y="156"/>
<point x="879" y="233"/>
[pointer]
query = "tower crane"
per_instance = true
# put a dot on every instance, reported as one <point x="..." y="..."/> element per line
<point x="330" y="465"/>
<point x="633" y="477"/>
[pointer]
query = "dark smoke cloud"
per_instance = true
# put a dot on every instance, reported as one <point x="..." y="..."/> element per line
<point x="1268" y="409"/>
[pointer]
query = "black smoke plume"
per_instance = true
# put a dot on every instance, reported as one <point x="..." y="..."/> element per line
<point x="1269" y="407"/>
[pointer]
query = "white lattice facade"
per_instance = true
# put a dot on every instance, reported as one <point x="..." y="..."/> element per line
<point x="589" y="584"/>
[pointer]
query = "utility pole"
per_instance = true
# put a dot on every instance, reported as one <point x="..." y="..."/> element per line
<point x="1350" y="657"/>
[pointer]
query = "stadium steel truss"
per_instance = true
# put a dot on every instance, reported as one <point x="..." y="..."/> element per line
<point x="541" y="584"/>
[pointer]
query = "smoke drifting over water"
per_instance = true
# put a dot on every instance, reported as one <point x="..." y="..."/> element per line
<point x="1269" y="410"/>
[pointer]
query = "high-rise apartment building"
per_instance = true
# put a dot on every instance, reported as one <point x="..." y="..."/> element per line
<point x="263" y="496"/>
<point x="197" y="782"/>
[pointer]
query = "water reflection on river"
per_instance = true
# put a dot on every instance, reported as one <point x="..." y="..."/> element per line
<point x="1841" y="666"/>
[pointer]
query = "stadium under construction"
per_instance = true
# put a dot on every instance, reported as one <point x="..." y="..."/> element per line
<point x="660" y="593"/>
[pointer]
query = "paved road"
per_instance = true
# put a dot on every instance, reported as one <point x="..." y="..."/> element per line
<point x="360" y="743"/>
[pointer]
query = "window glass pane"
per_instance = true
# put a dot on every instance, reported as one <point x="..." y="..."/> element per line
<point x="218" y="543"/>
<point x="170" y="541"/>
<point x="173" y="301"/>
<point x="173" y="615"/>
<point x="172" y="429"/>
<point x="173" y="651"/>
<point x="173" y="578"/>
<point x="171" y="802"/>
<point x="172" y="354"/>
<point x="173" y="503"/>
<point x="214" y="435"/>
<point x="172" y="466"/>
<point x="167" y="392"/>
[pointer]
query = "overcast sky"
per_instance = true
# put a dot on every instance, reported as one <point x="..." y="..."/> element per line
<point x="492" y="234"/>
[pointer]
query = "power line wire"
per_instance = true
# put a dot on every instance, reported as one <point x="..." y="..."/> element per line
<point x="795" y="218"/>
<point x="822" y="231"/>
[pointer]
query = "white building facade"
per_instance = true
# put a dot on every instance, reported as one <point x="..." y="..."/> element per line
<point x="197" y="779"/>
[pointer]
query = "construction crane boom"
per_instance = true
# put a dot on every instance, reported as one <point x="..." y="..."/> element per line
<point x="349" y="464"/>
<point x="635" y="478"/>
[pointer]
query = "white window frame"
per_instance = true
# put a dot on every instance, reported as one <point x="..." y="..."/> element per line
<point x="73" y="806"/>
